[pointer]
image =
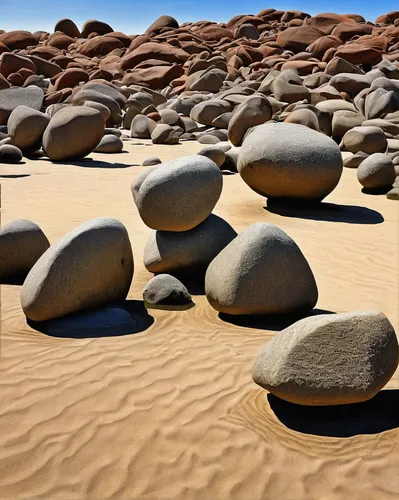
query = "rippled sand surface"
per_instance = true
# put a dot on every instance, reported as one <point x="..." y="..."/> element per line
<point x="171" y="412"/>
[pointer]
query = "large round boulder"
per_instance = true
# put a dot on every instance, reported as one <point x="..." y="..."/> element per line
<point x="89" y="267"/>
<point x="262" y="271"/>
<point x="26" y="127"/>
<point x="179" y="194"/>
<point x="330" y="359"/>
<point x="22" y="243"/>
<point x="193" y="250"/>
<point x="73" y="133"/>
<point x="287" y="160"/>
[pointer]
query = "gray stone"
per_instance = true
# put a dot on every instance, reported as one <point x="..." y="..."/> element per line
<point x="376" y="171"/>
<point x="330" y="359"/>
<point x="255" y="110"/>
<point x="32" y="97"/>
<point x="142" y="127"/>
<point x="164" y="134"/>
<point x="104" y="110"/>
<point x="179" y="194"/>
<point x="89" y="267"/>
<point x="286" y="160"/>
<point x="26" y="127"/>
<point x="152" y="160"/>
<point x="73" y="133"/>
<point x="262" y="271"/>
<point x="10" y="153"/>
<point x="110" y="144"/>
<point x="355" y="160"/>
<point x="214" y="153"/>
<point x="205" y="112"/>
<point x="22" y="243"/>
<point x="367" y="139"/>
<point x="166" y="291"/>
<point x="167" y="252"/>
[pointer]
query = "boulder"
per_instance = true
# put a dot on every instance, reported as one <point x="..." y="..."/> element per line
<point x="89" y="267"/>
<point x="376" y="171"/>
<point x="166" y="291"/>
<point x="367" y="139"/>
<point x="26" y="127"/>
<point x="73" y="133"/>
<point x="109" y="144"/>
<point x="286" y="160"/>
<point x="68" y="27"/>
<point x="22" y="243"/>
<point x="356" y="353"/>
<point x="93" y="26"/>
<point x="32" y="97"/>
<point x="193" y="250"/>
<point x="10" y="154"/>
<point x="214" y="153"/>
<point x="179" y="194"/>
<point x="141" y="127"/>
<point x="151" y="160"/>
<point x="253" y="111"/>
<point x="164" y="134"/>
<point x="262" y="271"/>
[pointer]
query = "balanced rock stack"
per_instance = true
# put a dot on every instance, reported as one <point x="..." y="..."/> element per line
<point x="176" y="199"/>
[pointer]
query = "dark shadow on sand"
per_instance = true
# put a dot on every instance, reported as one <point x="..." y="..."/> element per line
<point x="14" y="176"/>
<point x="377" y="191"/>
<point x="377" y="415"/>
<point x="89" y="163"/>
<point x="122" y="318"/>
<point x="275" y="323"/>
<point x="331" y="212"/>
<point x="193" y="280"/>
<point x="15" y="279"/>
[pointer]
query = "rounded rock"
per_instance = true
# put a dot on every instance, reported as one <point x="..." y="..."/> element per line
<point x="286" y="160"/>
<point x="179" y="194"/>
<point x="26" y="127"/>
<point x="89" y="267"/>
<point x="262" y="271"/>
<point x="376" y="171"/>
<point x="166" y="290"/>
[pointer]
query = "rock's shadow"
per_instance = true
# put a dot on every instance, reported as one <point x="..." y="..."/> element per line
<point x="123" y="318"/>
<point x="377" y="415"/>
<point x="14" y="176"/>
<point x="90" y="163"/>
<point x="331" y="212"/>
<point x="274" y="323"/>
<point x="376" y="191"/>
<point x="15" y="279"/>
<point x="192" y="279"/>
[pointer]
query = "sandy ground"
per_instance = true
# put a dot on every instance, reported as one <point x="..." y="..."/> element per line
<point x="172" y="412"/>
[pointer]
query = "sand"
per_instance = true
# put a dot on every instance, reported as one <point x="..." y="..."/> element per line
<point x="172" y="412"/>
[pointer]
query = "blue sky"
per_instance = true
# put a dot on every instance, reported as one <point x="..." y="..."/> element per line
<point x="133" y="16"/>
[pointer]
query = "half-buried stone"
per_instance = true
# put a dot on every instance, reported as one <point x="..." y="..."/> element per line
<point x="26" y="127"/>
<point x="192" y="251"/>
<point x="110" y="144"/>
<point x="291" y="161"/>
<point x="166" y="292"/>
<point x="73" y="133"/>
<point x="330" y="359"/>
<point x="89" y="267"/>
<point x="22" y="243"/>
<point x="262" y="271"/>
<point x="10" y="154"/>
<point x="179" y="194"/>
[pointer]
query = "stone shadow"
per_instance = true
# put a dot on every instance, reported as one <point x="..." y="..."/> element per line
<point x="377" y="415"/>
<point x="122" y="318"/>
<point x="274" y="323"/>
<point x="330" y="212"/>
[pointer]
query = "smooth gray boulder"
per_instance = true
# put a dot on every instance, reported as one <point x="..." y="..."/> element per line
<point x="142" y="127"/>
<point x="26" y="127"/>
<point x="376" y="171"/>
<point x="287" y="160"/>
<point x="104" y="110"/>
<point x="253" y="111"/>
<point x="164" y="134"/>
<point x="151" y="160"/>
<point x="167" y="252"/>
<point x="330" y="359"/>
<point x="262" y="271"/>
<point x="179" y="194"/>
<point x="166" y="291"/>
<point x="89" y="267"/>
<point x="214" y="153"/>
<point x="22" y="243"/>
<point x="32" y="97"/>
<point x="367" y="139"/>
<point x="73" y="133"/>
<point x="109" y="144"/>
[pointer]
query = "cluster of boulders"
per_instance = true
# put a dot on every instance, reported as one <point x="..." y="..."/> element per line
<point x="214" y="83"/>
